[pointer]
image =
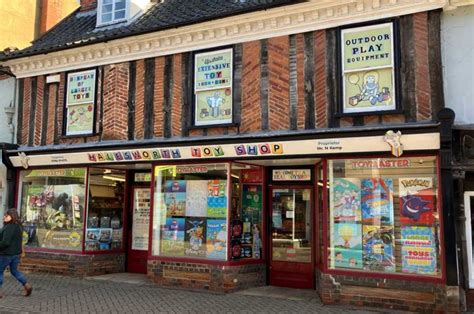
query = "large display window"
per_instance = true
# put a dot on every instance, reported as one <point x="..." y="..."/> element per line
<point x="384" y="216"/>
<point x="106" y="208"/>
<point x="190" y="211"/>
<point x="52" y="205"/>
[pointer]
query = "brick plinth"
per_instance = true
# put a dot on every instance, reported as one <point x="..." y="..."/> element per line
<point x="73" y="265"/>
<point x="390" y="294"/>
<point x="206" y="277"/>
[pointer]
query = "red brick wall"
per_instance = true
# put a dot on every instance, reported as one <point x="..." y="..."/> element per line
<point x="300" y="81"/>
<point x="159" y="94"/>
<point x="60" y="105"/>
<point x="250" y="108"/>
<point x="422" y="77"/>
<point x="278" y="83"/>
<point x="87" y="5"/>
<point x="115" y="102"/>
<point x="39" y="111"/>
<point x="26" y="111"/>
<point x="176" y="105"/>
<point x="320" y="80"/>
<point x="139" y="99"/>
<point x="51" y="113"/>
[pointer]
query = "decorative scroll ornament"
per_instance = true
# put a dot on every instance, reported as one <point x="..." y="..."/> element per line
<point x="24" y="160"/>
<point x="393" y="139"/>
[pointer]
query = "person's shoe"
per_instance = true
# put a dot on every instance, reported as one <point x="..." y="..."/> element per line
<point x="28" y="289"/>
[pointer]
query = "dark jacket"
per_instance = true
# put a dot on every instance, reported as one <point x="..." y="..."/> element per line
<point x="11" y="236"/>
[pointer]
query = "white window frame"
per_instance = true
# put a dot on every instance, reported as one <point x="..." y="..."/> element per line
<point x="468" y="226"/>
<point x="100" y="4"/>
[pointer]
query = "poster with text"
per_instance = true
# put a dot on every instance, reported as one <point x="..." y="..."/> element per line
<point x="175" y="197"/>
<point x="252" y="203"/>
<point x="80" y="102"/>
<point x="377" y="200"/>
<point x="213" y="73"/>
<point x="172" y="241"/>
<point x="346" y="199"/>
<point x="196" y="198"/>
<point x="347" y="246"/>
<point x="418" y="250"/>
<point x="195" y="237"/>
<point x="216" y="239"/>
<point x="368" y="68"/>
<point x="378" y="248"/>
<point x="80" y="119"/>
<point x="217" y="199"/>
<point x="416" y="200"/>
<point x="141" y="219"/>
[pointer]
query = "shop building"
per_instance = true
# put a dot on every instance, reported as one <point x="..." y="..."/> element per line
<point x="294" y="144"/>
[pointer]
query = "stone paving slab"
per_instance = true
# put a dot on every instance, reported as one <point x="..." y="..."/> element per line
<point x="57" y="294"/>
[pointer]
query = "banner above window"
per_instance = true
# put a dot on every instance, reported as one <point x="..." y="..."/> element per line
<point x="368" y="69"/>
<point x="80" y="102"/>
<point x="213" y="88"/>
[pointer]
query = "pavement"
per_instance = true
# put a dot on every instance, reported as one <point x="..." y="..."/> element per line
<point x="132" y="293"/>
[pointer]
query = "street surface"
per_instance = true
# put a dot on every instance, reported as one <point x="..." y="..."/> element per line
<point x="56" y="294"/>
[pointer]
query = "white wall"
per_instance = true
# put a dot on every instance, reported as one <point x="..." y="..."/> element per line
<point x="457" y="49"/>
<point x="7" y="89"/>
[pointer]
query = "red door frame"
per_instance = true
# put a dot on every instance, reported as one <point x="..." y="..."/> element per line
<point x="291" y="274"/>
<point x="136" y="259"/>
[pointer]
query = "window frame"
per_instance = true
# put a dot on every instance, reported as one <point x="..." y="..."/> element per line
<point x="100" y="6"/>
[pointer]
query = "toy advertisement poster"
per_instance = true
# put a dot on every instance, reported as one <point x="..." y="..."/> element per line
<point x="377" y="200"/>
<point x="216" y="239"/>
<point x="252" y="203"/>
<point x="196" y="198"/>
<point x="346" y="199"/>
<point x="367" y="66"/>
<point x="416" y="200"/>
<point x="217" y="199"/>
<point x="172" y="241"/>
<point x="195" y="237"/>
<point x="175" y="197"/>
<point x="418" y="250"/>
<point x="251" y="176"/>
<point x="347" y="245"/>
<point x="141" y="219"/>
<point x="80" y="119"/>
<point x="378" y="248"/>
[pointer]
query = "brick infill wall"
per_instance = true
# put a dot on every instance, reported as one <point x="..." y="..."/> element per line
<point x="72" y="264"/>
<point x="206" y="277"/>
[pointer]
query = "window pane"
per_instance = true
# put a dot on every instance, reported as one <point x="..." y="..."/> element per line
<point x="384" y="215"/>
<point x="190" y="211"/>
<point x="106" y="206"/>
<point x="106" y="17"/>
<point x="107" y="8"/>
<point x="119" y="15"/>
<point x="119" y="5"/>
<point x="247" y="212"/>
<point x="108" y="2"/>
<point x="52" y="207"/>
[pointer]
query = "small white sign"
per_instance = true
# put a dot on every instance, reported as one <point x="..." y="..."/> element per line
<point x="291" y="175"/>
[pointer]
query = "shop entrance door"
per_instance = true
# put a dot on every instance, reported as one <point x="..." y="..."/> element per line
<point x="138" y="230"/>
<point x="291" y="237"/>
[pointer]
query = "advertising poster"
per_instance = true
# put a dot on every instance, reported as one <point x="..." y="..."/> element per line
<point x="378" y="248"/>
<point x="196" y="200"/>
<point x="175" y="197"/>
<point x="216" y="239"/>
<point x="418" y="250"/>
<point x="195" y="237"/>
<point x="251" y="176"/>
<point x="416" y="200"/>
<point x="252" y="203"/>
<point x="367" y="65"/>
<point x="80" y="102"/>
<point x="141" y="219"/>
<point x="346" y="199"/>
<point x="172" y="241"/>
<point x="213" y="87"/>
<point x="347" y="246"/>
<point x="377" y="200"/>
<point x="217" y="199"/>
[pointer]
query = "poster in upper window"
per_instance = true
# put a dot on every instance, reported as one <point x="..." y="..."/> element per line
<point x="80" y="102"/>
<point x="368" y="68"/>
<point x="213" y="88"/>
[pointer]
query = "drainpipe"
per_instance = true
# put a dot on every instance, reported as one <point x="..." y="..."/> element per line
<point x="38" y="15"/>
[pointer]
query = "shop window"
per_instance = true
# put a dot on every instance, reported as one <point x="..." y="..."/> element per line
<point x="384" y="215"/>
<point x="190" y="211"/>
<point x="52" y="205"/>
<point x="247" y="212"/>
<point x="106" y="207"/>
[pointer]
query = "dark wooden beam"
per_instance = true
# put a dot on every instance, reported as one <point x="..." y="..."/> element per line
<point x="435" y="65"/>
<point x="264" y="83"/>
<point x="237" y="90"/>
<point x="44" y="118"/>
<point x="187" y="85"/>
<point x="168" y="95"/>
<point x="149" y="116"/>
<point x="132" y="87"/>
<point x="293" y="84"/>
<point x="332" y="83"/>
<point x="34" y="87"/>
<point x="407" y="66"/>
<point x="309" y="120"/>
<point x="21" y="95"/>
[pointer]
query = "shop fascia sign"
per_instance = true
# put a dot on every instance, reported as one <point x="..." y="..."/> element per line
<point x="391" y="142"/>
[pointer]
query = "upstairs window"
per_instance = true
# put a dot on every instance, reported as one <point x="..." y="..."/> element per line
<point x="112" y="11"/>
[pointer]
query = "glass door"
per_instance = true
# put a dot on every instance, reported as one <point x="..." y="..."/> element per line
<point x="291" y="263"/>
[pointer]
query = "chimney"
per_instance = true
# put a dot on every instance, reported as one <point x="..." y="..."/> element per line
<point x="87" y="5"/>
